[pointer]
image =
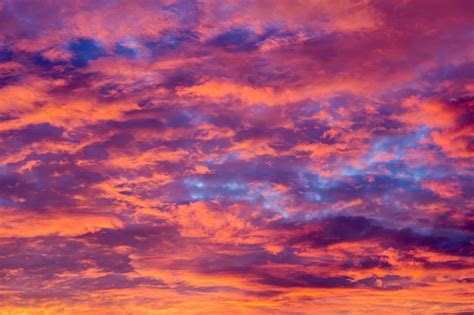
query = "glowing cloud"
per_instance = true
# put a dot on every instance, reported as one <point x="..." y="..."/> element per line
<point x="236" y="157"/>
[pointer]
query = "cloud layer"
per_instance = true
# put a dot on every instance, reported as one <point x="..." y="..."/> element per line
<point x="244" y="157"/>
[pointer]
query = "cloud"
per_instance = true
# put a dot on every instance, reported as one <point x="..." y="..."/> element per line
<point x="244" y="157"/>
<point x="36" y="224"/>
<point x="352" y="229"/>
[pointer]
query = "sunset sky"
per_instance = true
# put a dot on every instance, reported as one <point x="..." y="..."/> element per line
<point x="237" y="157"/>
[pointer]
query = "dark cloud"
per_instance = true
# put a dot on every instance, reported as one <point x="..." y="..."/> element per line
<point x="388" y="282"/>
<point x="341" y="229"/>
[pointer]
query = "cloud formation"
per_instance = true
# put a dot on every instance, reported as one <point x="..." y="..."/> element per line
<point x="244" y="157"/>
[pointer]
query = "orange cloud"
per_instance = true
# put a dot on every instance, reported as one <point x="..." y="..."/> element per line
<point x="35" y="224"/>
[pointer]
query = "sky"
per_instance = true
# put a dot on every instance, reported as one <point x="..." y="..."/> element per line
<point x="237" y="157"/>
